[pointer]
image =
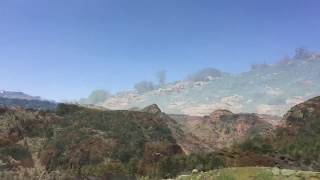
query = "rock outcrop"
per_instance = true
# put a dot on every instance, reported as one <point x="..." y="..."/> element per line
<point x="153" y="109"/>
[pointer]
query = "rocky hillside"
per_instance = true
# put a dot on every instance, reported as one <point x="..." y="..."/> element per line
<point x="243" y="140"/>
<point x="222" y="129"/>
<point x="293" y="143"/>
<point x="75" y="142"/>
<point x="266" y="89"/>
<point x="78" y="142"/>
<point x="299" y="133"/>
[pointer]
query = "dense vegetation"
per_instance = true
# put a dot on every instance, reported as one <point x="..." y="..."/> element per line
<point x="79" y="142"/>
<point x="173" y="166"/>
<point x="300" y="135"/>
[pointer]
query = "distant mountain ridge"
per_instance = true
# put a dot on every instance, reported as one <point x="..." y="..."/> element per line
<point x="17" y="95"/>
<point x="265" y="89"/>
<point x="22" y="100"/>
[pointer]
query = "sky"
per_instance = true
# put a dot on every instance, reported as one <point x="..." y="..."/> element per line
<point x="64" y="49"/>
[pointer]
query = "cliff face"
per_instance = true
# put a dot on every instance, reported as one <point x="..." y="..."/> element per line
<point x="222" y="129"/>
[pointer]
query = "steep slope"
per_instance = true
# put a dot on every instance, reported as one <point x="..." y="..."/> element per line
<point x="293" y="144"/>
<point x="299" y="133"/>
<point x="222" y="129"/>
<point x="258" y="140"/>
<point x="22" y="136"/>
<point x="266" y="89"/>
<point x="80" y="142"/>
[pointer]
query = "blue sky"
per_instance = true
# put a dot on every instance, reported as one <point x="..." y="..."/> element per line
<point x="64" y="49"/>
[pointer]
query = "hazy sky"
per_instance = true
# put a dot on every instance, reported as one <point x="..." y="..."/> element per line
<point x="63" y="49"/>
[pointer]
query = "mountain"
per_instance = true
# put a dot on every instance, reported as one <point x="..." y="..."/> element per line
<point x="17" y="95"/>
<point x="250" y="140"/>
<point x="222" y="129"/>
<point x="299" y="133"/>
<point x="76" y="142"/>
<point x="293" y="144"/>
<point x="266" y="89"/>
<point x="22" y="100"/>
<point x="29" y="104"/>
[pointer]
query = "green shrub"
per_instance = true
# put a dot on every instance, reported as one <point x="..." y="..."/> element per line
<point x="17" y="152"/>
<point x="226" y="176"/>
<point x="172" y="166"/>
<point x="257" y="145"/>
<point x="102" y="169"/>
<point x="266" y="175"/>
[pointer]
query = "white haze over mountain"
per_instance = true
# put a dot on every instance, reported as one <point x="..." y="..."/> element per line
<point x="266" y="89"/>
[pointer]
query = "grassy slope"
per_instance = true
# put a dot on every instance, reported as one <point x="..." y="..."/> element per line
<point x="252" y="173"/>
